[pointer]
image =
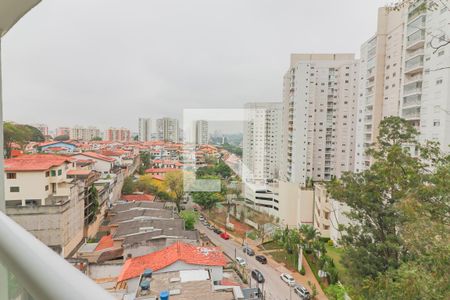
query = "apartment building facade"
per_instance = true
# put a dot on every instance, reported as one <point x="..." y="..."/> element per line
<point x="63" y="131"/>
<point x="319" y="117"/>
<point x="168" y="130"/>
<point x="84" y="133"/>
<point x="145" y="129"/>
<point x="426" y="91"/>
<point x="43" y="128"/>
<point x="118" y="135"/>
<point x="262" y="139"/>
<point x="380" y="81"/>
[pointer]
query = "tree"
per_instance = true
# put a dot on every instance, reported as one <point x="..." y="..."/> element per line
<point x="207" y="200"/>
<point x="128" y="187"/>
<point x="145" y="162"/>
<point x="175" y="187"/>
<point x="190" y="218"/>
<point x="19" y="134"/>
<point x="63" y="137"/>
<point x="382" y="244"/>
<point x="96" y="138"/>
<point x="93" y="203"/>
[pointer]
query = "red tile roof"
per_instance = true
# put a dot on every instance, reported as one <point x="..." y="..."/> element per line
<point x="160" y="170"/>
<point x="158" y="177"/>
<point x="105" y="242"/>
<point x="35" y="162"/>
<point x="144" y="197"/>
<point x="97" y="156"/>
<point x="112" y="153"/>
<point x="79" y="172"/>
<point x="190" y="254"/>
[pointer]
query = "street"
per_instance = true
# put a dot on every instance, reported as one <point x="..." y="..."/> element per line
<point x="274" y="287"/>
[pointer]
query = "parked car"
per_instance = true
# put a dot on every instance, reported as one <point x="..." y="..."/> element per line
<point x="261" y="258"/>
<point x="288" y="279"/>
<point x="201" y="218"/>
<point x="218" y="231"/>
<point x="225" y="236"/>
<point x="249" y="251"/>
<point x="258" y="276"/>
<point x="302" y="292"/>
<point x="241" y="261"/>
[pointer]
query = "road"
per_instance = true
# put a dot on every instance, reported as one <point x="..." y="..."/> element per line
<point x="274" y="287"/>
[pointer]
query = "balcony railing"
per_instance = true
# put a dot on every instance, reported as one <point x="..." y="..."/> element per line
<point x="42" y="272"/>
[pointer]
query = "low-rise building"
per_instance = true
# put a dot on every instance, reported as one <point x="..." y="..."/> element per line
<point x="44" y="200"/>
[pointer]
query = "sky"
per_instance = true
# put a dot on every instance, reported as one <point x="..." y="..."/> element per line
<point x="106" y="63"/>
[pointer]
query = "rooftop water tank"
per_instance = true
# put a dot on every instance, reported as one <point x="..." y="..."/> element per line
<point x="164" y="295"/>
<point x="147" y="273"/>
<point x="145" y="285"/>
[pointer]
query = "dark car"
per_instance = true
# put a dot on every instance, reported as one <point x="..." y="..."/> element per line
<point x="261" y="258"/>
<point x="249" y="251"/>
<point x="258" y="276"/>
<point x="218" y="231"/>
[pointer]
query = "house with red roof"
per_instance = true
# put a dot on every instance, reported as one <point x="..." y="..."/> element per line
<point x="160" y="171"/>
<point x="176" y="257"/>
<point x="103" y="164"/>
<point x="42" y="198"/>
<point x="138" y="197"/>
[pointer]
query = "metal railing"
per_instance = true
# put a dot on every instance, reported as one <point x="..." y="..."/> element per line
<point x="42" y="272"/>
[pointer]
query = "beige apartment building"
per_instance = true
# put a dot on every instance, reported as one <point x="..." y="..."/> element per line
<point x="83" y="133"/>
<point x="380" y="81"/>
<point x="319" y="117"/>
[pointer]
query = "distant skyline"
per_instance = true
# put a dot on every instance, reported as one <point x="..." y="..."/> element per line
<point x="106" y="63"/>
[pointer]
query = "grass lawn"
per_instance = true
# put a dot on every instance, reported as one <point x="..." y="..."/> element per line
<point x="336" y="254"/>
<point x="288" y="259"/>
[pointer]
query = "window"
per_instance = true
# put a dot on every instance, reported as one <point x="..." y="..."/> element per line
<point x="46" y="187"/>
<point x="11" y="175"/>
<point x="14" y="189"/>
<point x="47" y="174"/>
<point x="439" y="81"/>
<point x="440" y="53"/>
<point x="436" y="123"/>
<point x="53" y="172"/>
<point x="59" y="172"/>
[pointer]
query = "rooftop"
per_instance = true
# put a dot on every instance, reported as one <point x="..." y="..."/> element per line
<point x="184" y="285"/>
<point x="35" y="162"/>
<point x="97" y="156"/>
<point x="138" y="197"/>
<point x="189" y="254"/>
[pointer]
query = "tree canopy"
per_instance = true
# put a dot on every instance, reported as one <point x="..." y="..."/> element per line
<point x="406" y="185"/>
<point x="19" y="134"/>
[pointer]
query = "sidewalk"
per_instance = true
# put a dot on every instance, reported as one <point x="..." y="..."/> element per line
<point x="301" y="279"/>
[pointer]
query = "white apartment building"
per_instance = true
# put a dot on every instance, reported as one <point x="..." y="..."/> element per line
<point x="201" y="132"/>
<point x="83" y="133"/>
<point x="426" y="91"/>
<point x="145" y="129"/>
<point x="319" y="117"/>
<point x="262" y="139"/>
<point x="380" y="81"/>
<point x="168" y="130"/>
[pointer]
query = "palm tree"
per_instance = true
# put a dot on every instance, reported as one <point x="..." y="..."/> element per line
<point x="308" y="235"/>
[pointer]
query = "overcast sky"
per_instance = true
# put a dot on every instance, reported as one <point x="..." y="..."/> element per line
<point x="108" y="62"/>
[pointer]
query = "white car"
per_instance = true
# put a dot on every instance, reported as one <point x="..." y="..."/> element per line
<point x="241" y="261"/>
<point x="288" y="279"/>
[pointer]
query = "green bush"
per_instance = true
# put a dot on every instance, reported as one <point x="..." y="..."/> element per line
<point x="330" y="243"/>
<point x="302" y="271"/>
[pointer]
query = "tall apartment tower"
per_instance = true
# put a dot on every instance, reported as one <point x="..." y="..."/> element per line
<point x="145" y="129"/>
<point x="168" y="130"/>
<point x="426" y="90"/>
<point x="201" y="132"/>
<point x="262" y="139"/>
<point x="319" y="117"/>
<point x="83" y="133"/>
<point x="380" y="81"/>
<point x="118" y="135"/>
<point x="63" y="131"/>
